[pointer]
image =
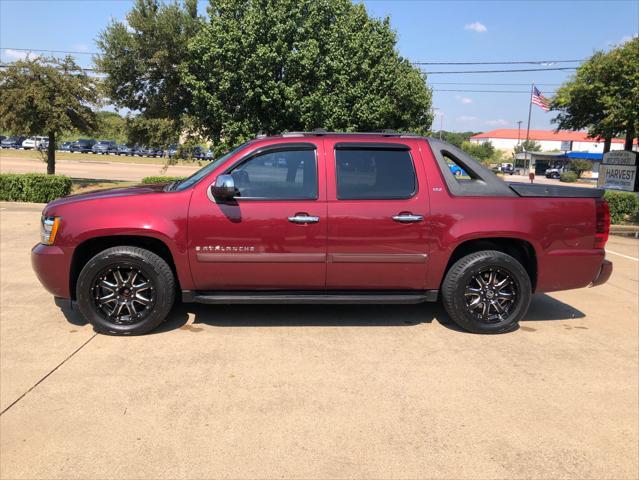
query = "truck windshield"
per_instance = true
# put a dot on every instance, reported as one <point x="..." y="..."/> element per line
<point x="203" y="172"/>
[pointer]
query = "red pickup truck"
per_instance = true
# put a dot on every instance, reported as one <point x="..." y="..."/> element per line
<point x="324" y="218"/>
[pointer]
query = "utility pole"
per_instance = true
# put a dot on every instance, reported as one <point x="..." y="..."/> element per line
<point x="532" y="88"/>
<point x="518" y="131"/>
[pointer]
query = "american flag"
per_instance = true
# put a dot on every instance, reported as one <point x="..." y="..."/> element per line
<point x="539" y="100"/>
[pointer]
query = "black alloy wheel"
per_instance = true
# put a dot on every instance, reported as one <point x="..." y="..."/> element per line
<point x="125" y="290"/>
<point x="487" y="291"/>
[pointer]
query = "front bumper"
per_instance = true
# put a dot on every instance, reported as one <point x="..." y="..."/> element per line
<point x="604" y="273"/>
<point x="51" y="265"/>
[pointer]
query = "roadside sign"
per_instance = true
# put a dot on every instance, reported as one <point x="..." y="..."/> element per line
<point x="617" y="177"/>
<point x="620" y="157"/>
<point x="566" y="145"/>
<point x="618" y="171"/>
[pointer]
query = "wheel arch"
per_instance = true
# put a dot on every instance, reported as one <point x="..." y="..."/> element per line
<point x="92" y="246"/>
<point x="518" y="248"/>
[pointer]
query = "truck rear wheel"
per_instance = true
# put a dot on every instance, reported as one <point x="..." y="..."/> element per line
<point x="125" y="291"/>
<point x="487" y="292"/>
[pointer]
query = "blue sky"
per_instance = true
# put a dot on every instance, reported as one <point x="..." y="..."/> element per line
<point x="428" y="31"/>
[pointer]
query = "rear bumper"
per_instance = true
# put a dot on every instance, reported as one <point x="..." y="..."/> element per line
<point x="603" y="275"/>
<point x="569" y="269"/>
<point x="51" y="265"/>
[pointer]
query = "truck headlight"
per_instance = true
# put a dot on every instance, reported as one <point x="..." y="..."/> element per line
<point x="48" y="229"/>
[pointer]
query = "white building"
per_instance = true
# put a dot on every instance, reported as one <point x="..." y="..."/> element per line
<point x="508" y="138"/>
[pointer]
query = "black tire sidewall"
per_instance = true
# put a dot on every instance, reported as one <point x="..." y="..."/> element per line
<point x="460" y="274"/>
<point x="152" y="267"/>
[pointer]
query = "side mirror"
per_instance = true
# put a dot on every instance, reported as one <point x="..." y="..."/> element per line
<point x="223" y="188"/>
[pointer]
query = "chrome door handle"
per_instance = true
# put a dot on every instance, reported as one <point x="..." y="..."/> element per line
<point x="303" y="218"/>
<point x="408" y="218"/>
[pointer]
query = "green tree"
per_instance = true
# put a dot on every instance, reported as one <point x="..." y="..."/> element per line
<point x="603" y="95"/>
<point x="47" y="96"/>
<point x="527" y="146"/>
<point x="483" y="151"/>
<point x="455" y="138"/>
<point x="111" y="126"/>
<point x="276" y="65"/>
<point x="142" y="58"/>
<point x="579" y="166"/>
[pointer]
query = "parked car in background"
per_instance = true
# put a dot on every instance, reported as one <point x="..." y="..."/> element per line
<point x="83" y="145"/>
<point x="507" y="168"/>
<point x="553" y="173"/>
<point x="12" y="142"/>
<point x="105" y="147"/>
<point x="404" y="229"/>
<point x="64" y="146"/>
<point x="172" y="150"/>
<point x="123" y="150"/>
<point x="457" y="171"/>
<point x="2" y="137"/>
<point x="198" y="153"/>
<point x="34" y="142"/>
<point x="144" y="151"/>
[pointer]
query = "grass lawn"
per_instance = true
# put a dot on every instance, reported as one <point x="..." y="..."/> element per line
<point x="89" y="157"/>
<point x="85" y="185"/>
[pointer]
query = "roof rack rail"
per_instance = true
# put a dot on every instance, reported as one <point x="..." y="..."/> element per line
<point x="321" y="131"/>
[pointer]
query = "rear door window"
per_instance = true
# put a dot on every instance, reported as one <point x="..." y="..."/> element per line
<point x="374" y="174"/>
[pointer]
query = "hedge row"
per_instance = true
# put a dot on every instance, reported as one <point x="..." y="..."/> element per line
<point x="568" y="177"/>
<point x="624" y="206"/>
<point x="160" y="179"/>
<point x="33" y="187"/>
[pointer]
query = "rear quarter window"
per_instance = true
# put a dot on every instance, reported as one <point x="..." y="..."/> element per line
<point x="374" y="174"/>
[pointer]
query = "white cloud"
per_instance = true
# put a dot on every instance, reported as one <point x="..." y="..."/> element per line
<point x="14" y="54"/>
<point x="80" y="47"/>
<point x="466" y="118"/>
<point x="621" y="41"/>
<point x="627" y="38"/>
<point x="500" y="122"/>
<point x="476" y="27"/>
<point x="464" y="100"/>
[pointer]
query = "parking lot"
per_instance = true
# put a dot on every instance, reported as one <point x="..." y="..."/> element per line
<point x="318" y="391"/>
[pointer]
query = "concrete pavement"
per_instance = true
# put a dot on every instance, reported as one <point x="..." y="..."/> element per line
<point x="318" y="391"/>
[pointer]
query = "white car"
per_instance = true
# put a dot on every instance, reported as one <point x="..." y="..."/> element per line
<point x="35" y="142"/>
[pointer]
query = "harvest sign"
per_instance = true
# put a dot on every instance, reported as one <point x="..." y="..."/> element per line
<point x="618" y="171"/>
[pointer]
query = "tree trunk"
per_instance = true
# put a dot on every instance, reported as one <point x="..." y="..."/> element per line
<point x="51" y="155"/>
<point x="607" y="142"/>
<point x="630" y="133"/>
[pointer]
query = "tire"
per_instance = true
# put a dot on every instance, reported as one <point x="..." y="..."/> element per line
<point x="141" y="282"/>
<point x="464" y="279"/>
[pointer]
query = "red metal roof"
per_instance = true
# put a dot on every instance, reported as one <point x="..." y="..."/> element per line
<point x="548" y="135"/>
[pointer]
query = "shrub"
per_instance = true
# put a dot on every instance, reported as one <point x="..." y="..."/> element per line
<point x="160" y="179"/>
<point x="33" y="187"/>
<point x="568" y="177"/>
<point x="579" y="166"/>
<point x="623" y="205"/>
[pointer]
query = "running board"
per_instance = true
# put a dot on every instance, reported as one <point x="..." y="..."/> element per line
<point x="342" y="298"/>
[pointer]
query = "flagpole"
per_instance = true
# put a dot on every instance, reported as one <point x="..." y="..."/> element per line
<point x="532" y="88"/>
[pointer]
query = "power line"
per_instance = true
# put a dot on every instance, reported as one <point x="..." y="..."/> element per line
<point x="482" y="91"/>
<point x="456" y="72"/>
<point x="526" y="62"/>
<point x="494" y="84"/>
<point x="48" y="51"/>
<point x="507" y="62"/>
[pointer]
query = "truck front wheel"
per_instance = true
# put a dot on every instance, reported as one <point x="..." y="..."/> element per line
<point x="125" y="291"/>
<point x="487" y="292"/>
